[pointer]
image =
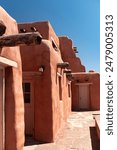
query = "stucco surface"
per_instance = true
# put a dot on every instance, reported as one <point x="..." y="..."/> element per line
<point x="14" y="106"/>
<point x="94" y="89"/>
<point x="49" y="111"/>
<point x="68" y="54"/>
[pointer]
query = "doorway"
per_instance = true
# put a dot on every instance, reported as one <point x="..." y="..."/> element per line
<point x="2" y="109"/>
<point x="84" y="97"/>
<point x="29" y="108"/>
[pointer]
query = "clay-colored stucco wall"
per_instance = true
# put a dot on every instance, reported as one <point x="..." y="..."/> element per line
<point x="14" y="106"/>
<point x="44" y="28"/>
<point x="69" y="55"/>
<point x="61" y="108"/>
<point x="94" y="90"/>
<point x="48" y="112"/>
<point x="40" y="55"/>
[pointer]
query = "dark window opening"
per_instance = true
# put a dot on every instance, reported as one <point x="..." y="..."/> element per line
<point x="69" y="90"/>
<point x="27" y="92"/>
<point x="34" y="29"/>
<point x="22" y="30"/>
<point x="60" y="89"/>
<point x="54" y="44"/>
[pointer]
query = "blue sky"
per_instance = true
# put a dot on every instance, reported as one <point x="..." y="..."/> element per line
<point x="78" y="19"/>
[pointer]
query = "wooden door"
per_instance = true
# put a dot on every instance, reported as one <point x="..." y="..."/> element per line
<point x="1" y="109"/>
<point x="29" y="108"/>
<point x="83" y="97"/>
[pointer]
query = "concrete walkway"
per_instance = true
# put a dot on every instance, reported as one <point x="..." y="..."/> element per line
<point x="78" y="134"/>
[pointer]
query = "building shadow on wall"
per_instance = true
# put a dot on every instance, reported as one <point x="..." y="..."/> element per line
<point x="94" y="139"/>
<point x="31" y="141"/>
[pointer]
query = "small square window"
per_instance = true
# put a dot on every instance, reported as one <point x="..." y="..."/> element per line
<point x="69" y="90"/>
<point x="27" y="92"/>
<point x="54" y="44"/>
<point x="27" y="87"/>
<point x="60" y="88"/>
<point x="27" y="97"/>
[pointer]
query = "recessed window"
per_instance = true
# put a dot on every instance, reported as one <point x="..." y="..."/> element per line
<point x="69" y="90"/>
<point x="60" y="88"/>
<point x="33" y="29"/>
<point x="54" y="44"/>
<point x="27" y="92"/>
<point x="22" y="30"/>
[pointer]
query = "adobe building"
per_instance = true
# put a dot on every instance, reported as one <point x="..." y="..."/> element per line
<point x="11" y="95"/>
<point x="39" y="83"/>
<point x="85" y="85"/>
<point x="47" y="90"/>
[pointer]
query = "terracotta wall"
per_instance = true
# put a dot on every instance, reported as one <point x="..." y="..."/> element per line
<point x="44" y="28"/>
<point x="14" y="106"/>
<point x="68" y="54"/>
<point x="94" y="90"/>
<point x="49" y="111"/>
<point x="61" y="108"/>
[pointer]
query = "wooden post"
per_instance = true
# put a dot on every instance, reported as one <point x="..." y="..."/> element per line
<point x="63" y="65"/>
<point x="20" y="39"/>
<point x="2" y="28"/>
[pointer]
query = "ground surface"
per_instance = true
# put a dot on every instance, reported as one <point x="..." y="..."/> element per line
<point x="78" y="134"/>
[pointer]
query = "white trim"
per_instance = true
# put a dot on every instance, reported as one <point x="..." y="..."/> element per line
<point x="7" y="62"/>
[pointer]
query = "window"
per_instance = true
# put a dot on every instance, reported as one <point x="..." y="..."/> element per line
<point x="69" y="90"/>
<point x="60" y="89"/>
<point x="22" y="30"/>
<point x="54" y="44"/>
<point x="27" y="92"/>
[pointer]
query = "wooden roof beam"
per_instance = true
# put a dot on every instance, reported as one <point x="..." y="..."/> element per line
<point x="63" y="65"/>
<point x="29" y="38"/>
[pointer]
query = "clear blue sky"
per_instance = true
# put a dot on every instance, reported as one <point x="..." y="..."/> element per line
<point x="78" y="19"/>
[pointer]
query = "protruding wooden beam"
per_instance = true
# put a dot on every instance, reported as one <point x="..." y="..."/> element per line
<point x="63" y="65"/>
<point x="67" y="71"/>
<point x="20" y="39"/>
<point x="22" y="30"/>
<point x="69" y="77"/>
<point x="75" y="49"/>
<point x="2" y="28"/>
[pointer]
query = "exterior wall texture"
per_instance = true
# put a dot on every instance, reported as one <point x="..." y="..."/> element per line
<point x="68" y="54"/>
<point x="93" y="79"/>
<point x="14" y="105"/>
<point x="49" y="110"/>
<point x="52" y="91"/>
